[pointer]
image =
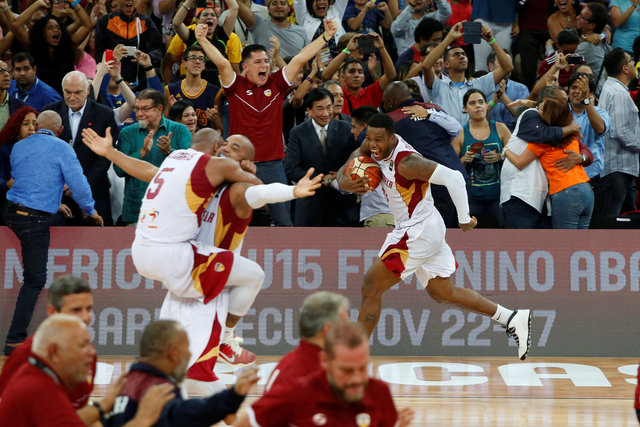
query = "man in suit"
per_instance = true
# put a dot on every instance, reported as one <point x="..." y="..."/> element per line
<point x="325" y="144"/>
<point x="78" y="112"/>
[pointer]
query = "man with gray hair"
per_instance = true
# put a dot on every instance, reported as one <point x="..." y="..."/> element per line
<point x="79" y="111"/>
<point x="41" y="165"/>
<point x="152" y="139"/>
<point x="67" y="295"/>
<point x="339" y="394"/>
<point x="317" y="312"/>
<point x="61" y="358"/>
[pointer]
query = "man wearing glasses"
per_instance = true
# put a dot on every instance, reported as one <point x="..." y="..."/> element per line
<point x="590" y="23"/>
<point x="195" y="89"/>
<point x="151" y="139"/>
<point x="8" y="105"/>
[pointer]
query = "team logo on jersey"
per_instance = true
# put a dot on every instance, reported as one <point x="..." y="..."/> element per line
<point x="267" y="92"/>
<point x="363" y="420"/>
<point x="319" y="419"/>
<point x="218" y="267"/>
<point x="150" y="217"/>
<point x="249" y="92"/>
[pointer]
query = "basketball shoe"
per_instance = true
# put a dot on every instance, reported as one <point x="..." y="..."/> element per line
<point x="233" y="354"/>
<point x="519" y="327"/>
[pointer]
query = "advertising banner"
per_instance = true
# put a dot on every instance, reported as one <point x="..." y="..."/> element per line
<point x="583" y="288"/>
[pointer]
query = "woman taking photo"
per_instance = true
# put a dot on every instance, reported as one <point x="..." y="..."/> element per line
<point x="570" y="192"/>
<point x="480" y="144"/>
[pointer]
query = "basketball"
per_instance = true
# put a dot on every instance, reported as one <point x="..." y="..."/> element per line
<point x="365" y="166"/>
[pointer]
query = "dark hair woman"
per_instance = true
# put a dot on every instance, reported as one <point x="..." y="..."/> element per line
<point x="20" y="125"/>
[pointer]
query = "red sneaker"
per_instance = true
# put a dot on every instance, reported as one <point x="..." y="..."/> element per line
<point x="233" y="354"/>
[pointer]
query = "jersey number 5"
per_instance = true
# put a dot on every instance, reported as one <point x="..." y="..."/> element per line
<point x="153" y="190"/>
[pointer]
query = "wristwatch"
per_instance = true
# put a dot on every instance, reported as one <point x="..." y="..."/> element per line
<point x="586" y="101"/>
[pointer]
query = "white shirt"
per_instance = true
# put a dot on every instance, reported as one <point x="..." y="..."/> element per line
<point x="319" y="128"/>
<point x="74" y="122"/>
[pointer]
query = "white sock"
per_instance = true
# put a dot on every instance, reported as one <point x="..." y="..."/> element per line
<point x="502" y="315"/>
<point x="227" y="334"/>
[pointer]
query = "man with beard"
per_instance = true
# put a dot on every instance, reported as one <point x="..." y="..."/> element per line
<point x="340" y="394"/>
<point x="164" y="354"/>
<point x="152" y="139"/>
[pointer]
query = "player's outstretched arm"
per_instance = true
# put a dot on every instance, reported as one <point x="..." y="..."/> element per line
<point x="415" y="166"/>
<point x="245" y="197"/>
<point x="103" y="146"/>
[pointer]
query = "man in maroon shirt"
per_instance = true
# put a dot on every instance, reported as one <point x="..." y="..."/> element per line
<point x="62" y="357"/>
<point x="67" y="295"/>
<point x="341" y="394"/>
<point x="317" y="312"/>
<point x="255" y="104"/>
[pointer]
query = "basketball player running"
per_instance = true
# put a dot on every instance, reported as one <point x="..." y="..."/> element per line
<point x="417" y="243"/>
<point x="223" y="224"/>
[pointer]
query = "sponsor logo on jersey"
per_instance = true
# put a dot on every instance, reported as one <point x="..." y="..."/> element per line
<point x="319" y="419"/>
<point x="149" y="217"/>
<point x="218" y="267"/>
<point x="363" y="420"/>
<point x="267" y="92"/>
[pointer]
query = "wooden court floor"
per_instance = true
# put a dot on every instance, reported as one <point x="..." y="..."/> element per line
<point x="484" y="391"/>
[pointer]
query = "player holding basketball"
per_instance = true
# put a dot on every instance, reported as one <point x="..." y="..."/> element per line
<point x="223" y="224"/>
<point x="417" y="243"/>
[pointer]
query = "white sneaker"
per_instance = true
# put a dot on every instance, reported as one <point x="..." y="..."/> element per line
<point x="519" y="327"/>
<point x="233" y="354"/>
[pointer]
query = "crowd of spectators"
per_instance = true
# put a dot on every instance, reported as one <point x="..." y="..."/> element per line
<point x="292" y="76"/>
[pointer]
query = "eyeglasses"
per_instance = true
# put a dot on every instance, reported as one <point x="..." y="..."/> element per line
<point x="144" y="109"/>
<point x="195" y="58"/>
<point x="5" y="70"/>
<point x="583" y="18"/>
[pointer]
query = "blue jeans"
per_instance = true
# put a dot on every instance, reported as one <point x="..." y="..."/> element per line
<point x="269" y="172"/>
<point x="32" y="229"/>
<point x="572" y="207"/>
<point x="518" y="214"/>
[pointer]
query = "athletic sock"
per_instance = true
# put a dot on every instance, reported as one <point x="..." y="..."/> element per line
<point x="227" y="336"/>
<point x="502" y="315"/>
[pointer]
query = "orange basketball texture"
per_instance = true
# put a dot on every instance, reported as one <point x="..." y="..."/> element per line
<point x="365" y="166"/>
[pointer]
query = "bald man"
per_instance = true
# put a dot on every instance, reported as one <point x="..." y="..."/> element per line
<point x="62" y="357"/>
<point x="222" y="226"/>
<point x="41" y="165"/>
